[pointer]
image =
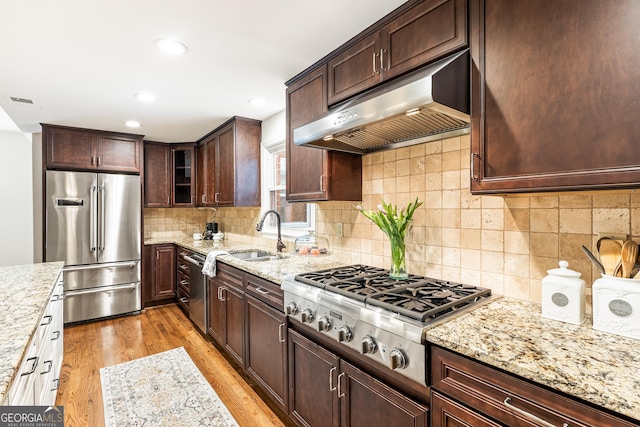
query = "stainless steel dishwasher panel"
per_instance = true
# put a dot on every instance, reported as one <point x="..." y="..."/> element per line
<point x="197" y="291"/>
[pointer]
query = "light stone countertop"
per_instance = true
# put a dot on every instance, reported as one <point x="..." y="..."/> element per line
<point x="598" y="367"/>
<point x="24" y="295"/>
<point x="274" y="270"/>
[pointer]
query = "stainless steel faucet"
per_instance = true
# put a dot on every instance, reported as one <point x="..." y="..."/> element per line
<point x="280" y="246"/>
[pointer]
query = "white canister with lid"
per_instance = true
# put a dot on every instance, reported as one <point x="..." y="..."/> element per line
<point x="563" y="295"/>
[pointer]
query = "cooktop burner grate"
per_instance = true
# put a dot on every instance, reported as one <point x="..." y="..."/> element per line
<point x="420" y="298"/>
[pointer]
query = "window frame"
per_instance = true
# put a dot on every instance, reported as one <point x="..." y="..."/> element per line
<point x="267" y="149"/>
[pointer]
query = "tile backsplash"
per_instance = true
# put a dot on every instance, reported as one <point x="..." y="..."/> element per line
<point x="503" y="243"/>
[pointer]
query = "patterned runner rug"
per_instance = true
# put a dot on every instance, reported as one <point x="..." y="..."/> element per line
<point x="164" y="389"/>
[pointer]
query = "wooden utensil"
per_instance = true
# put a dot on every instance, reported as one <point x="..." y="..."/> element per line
<point x="610" y="252"/>
<point x="629" y="255"/>
<point x="593" y="259"/>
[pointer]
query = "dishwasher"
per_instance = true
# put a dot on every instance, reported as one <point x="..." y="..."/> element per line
<point x="198" y="291"/>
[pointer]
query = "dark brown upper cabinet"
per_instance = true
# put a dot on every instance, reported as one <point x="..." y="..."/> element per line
<point x="183" y="188"/>
<point x="554" y="94"/>
<point x="87" y="149"/>
<point x="313" y="174"/>
<point x="157" y="175"/>
<point x="426" y="32"/>
<point x="229" y="162"/>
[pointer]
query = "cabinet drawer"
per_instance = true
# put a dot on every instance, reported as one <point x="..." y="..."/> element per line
<point x="266" y="291"/>
<point x="507" y="399"/>
<point x="184" y="281"/>
<point x="183" y="267"/>
<point x="230" y="276"/>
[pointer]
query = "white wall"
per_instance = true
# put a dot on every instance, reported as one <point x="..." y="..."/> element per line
<point x="16" y="199"/>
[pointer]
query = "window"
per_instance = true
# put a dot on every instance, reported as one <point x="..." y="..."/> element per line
<point x="297" y="218"/>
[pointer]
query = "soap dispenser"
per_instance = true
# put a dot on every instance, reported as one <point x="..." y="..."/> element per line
<point x="563" y="295"/>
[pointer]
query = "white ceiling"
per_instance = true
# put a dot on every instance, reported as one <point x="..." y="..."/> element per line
<point x="81" y="61"/>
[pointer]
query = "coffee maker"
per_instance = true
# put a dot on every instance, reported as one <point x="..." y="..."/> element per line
<point x="212" y="228"/>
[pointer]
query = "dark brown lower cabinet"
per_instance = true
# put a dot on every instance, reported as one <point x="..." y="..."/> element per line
<point x="448" y="413"/>
<point x="226" y="310"/>
<point x="267" y="349"/>
<point x="326" y="391"/>
<point x="481" y="393"/>
<point x="159" y="264"/>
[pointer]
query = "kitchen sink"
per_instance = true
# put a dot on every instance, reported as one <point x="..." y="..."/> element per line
<point x="255" y="256"/>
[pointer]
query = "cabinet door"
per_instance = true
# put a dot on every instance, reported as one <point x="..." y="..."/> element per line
<point x="306" y="101"/>
<point x="225" y="167"/>
<point x="551" y="109"/>
<point x="118" y="153"/>
<point x="365" y="402"/>
<point x="448" y="413"/>
<point x="266" y="349"/>
<point x="355" y="69"/>
<point x="234" y="300"/>
<point x="164" y="272"/>
<point x="313" y="400"/>
<point x="157" y="175"/>
<point x="183" y="176"/>
<point x="427" y="32"/>
<point x="71" y="149"/>
<point x="216" y="310"/>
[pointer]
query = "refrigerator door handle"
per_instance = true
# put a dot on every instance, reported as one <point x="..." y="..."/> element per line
<point x="101" y="289"/>
<point x="129" y="264"/>
<point x="93" y="220"/>
<point x="102" y="212"/>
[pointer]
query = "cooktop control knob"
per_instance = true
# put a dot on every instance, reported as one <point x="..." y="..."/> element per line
<point x="292" y="309"/>
<point x="324" y="324"/>
<point x="345" y="334"/>
<point x="398" y="359"/>
<point x="306" y="316"/>
<point x="369" y="345"/>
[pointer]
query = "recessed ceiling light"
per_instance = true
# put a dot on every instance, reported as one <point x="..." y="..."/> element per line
<point x="144" y="96"/>
<point x="257" y="102"/>
<point x="172" y="47"/>
<point x="132" y="124"/>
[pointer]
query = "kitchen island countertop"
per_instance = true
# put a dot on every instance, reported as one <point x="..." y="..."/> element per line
<point x="275" y="270"/>
<point x="24" y="295"/>
<point x="510" y="334"/>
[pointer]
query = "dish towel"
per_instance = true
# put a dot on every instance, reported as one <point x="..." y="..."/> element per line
<point x="209" y="267"/>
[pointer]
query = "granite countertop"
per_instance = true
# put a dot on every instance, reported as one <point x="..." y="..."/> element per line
<point x="285" y="266"/>
<point x="24" y="295"/>
<point x="510" y="334"/>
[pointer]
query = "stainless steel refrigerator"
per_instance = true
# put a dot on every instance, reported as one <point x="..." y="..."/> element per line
<point x="92" y="223"/>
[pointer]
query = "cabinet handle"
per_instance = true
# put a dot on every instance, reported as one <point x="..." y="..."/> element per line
<point x="203" y="199"/>
<point x="57" y="384"/>
<point x="529" y="416"/>
<point x="33" y="367"/>
<point x="280" y="332"/>
<point x="331" y="371"/>
<point x="168" y="200"/>
<point x="221" y="296"/>
<point x="374" y="63"/>
<point x="340" y="392"/>
<point x="50" y="362"/>
<point x="382" y="52"/>
<point x="262" y="291"/>
<point x="184" y="282"/>
<point x="216" y="197"/>
<point x="99" y="160"/>
<point x="93" y="160"/>
<point x="184" y="300"/>
<point x="57" y="335"/>
<point x="473" y="166"/>
<point x="323" y="183"/>
<point x="49" y="320"/>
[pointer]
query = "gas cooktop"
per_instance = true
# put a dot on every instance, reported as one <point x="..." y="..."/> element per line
<point x="417" y="297"/>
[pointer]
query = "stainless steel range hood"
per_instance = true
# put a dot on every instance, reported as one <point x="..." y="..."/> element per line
<point x="432" y="103"/>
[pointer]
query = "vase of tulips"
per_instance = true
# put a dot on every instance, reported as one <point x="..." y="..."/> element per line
<point x="395" y="224"/>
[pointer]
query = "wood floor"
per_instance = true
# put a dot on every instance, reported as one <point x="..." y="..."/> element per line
<point x="91" y="346"/>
